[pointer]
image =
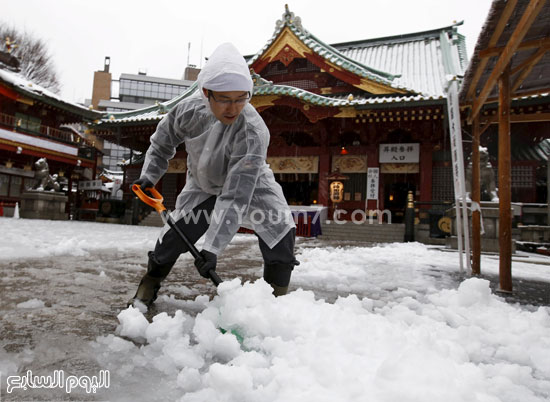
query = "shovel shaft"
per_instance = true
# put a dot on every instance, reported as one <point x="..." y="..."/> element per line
<point x="192" y="249"/>
<point x="156" y="203"/>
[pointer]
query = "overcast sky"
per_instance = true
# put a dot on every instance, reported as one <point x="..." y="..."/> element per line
<point x="153" y="35"/>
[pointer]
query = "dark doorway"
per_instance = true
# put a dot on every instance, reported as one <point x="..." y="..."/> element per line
<point x="396" y="188"/>
<point x="299" y="189"/>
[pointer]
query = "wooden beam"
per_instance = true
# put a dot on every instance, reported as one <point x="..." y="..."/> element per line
<point x="506" y="13"/>
<point x="528" y="44"/>
<point x="476" y="198"/>
<point x="528" y="62"/>
<point x="530" y="118"/>
<point x="526" y="68"/>
<point x="531" y="12"/>
<point x="532" y="92"/>
<point x="505" y="183"/>
<point x="486" y="125"/>
<point x="517" y="118"/>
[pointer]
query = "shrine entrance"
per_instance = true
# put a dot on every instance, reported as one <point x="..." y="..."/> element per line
<point x="396" y="188"/>
<point x="299" y="188"/>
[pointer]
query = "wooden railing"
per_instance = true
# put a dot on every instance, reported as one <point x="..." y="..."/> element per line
<point x="22" y="126"/>
<point x="303" y="226"/>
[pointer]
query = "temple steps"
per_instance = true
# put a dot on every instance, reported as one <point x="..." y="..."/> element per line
<point x="153" y="219"/>
<point x="372" y="233"/>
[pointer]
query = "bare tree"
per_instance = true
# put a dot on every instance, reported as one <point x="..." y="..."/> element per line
<point x="36" y="63"/>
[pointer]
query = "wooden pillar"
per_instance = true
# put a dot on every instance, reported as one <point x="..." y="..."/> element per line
<point x="476" y="198"/>
<point x="548" y="190"/>
<point x="324" y="170"/>
<point x="426" y="168"/>
<point x="504" y="182"/>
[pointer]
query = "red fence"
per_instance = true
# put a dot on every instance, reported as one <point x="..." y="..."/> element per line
<point x="303" y="226"/>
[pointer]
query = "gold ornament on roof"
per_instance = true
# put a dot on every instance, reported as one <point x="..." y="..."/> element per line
<point x="289" y="18"/>
<point x="10" y="45"/>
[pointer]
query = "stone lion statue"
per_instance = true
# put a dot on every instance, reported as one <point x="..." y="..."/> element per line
<point x="44" y="181"/>
<point x="487" y="179"/>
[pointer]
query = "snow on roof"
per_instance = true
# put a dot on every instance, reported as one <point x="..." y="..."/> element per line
<point x="31" y="89"/>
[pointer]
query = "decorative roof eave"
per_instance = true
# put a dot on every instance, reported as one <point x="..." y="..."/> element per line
<point x="277" y="91"/>
<point x="28" y="92"/>
<point x="291" y="40"/>
<point x="150" y="113"/>
<point x="317" y="107"/>
<point x="267" y="95"/>
<point x="85" y="113"/>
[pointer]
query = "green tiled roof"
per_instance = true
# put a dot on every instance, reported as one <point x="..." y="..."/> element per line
<point x="423" y="59"/>
<point x="339" y="100"/>
<point x="153" y="112"/>
<point x="328" y="52"/>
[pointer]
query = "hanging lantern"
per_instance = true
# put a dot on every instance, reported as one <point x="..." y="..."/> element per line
<point x="336" y="191"/>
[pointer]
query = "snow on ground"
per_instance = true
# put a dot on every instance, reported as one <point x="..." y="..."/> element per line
<point x="400" y="329"/>
<point x="34" y="238"/>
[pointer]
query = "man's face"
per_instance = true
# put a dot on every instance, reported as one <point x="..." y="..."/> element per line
<point x="226" y="106"/>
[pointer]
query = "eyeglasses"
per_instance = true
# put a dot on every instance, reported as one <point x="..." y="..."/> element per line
<point x="226" y="102"/>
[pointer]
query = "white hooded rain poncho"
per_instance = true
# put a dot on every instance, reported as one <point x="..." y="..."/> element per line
<point x="228" y="161"/>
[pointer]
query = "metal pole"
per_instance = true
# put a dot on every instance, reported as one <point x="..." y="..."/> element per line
<point x="476" y="198"/>
<point x="504" y="183"/>
<point x="459" y="232"/>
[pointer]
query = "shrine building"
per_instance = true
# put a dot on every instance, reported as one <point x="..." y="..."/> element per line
<point x="334" y="112"/>
<point x="36" y="123"/>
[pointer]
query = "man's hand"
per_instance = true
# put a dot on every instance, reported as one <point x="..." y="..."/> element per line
<point x="206" y="263"/>
<point x="144" y="183"/>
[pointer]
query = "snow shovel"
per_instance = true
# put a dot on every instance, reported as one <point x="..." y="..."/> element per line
<point x="157" y="204"/>
<point x="166" y="218"/>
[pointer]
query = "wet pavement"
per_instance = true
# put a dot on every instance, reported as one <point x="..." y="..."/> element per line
<point x="82" y="297"/>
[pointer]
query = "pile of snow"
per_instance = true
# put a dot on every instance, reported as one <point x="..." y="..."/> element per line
<point x="30" y="304"/>
<point x="460" y="345"/>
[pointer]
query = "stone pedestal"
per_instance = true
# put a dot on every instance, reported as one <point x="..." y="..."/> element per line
<point x="489" y="240"/>
<point x="43" y="205"/>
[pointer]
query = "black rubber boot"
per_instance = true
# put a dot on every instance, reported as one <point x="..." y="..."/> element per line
<point x="278" y="276"/>
<point x="279" y="290"/>
<point x="150" y="283"/>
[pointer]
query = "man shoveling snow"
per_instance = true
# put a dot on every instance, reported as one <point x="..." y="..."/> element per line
<point x="229" y="183"/>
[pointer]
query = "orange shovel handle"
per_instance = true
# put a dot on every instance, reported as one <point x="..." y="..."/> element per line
<point x="153" y="202"/>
